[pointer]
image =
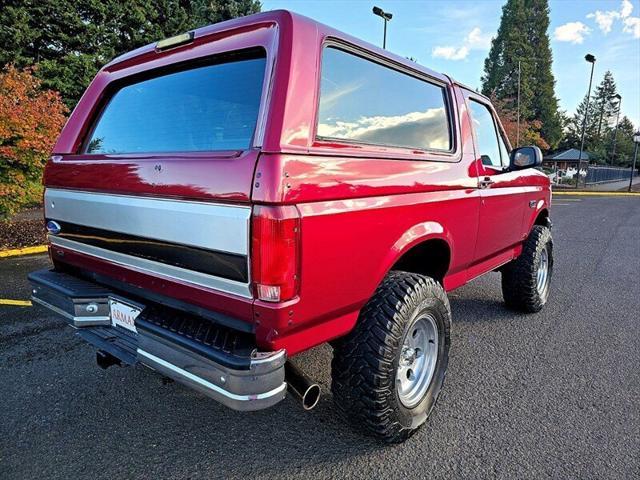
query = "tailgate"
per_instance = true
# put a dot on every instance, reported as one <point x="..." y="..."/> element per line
<point x="204" y="244"/>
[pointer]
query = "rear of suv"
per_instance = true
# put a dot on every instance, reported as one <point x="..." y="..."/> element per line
<point x="225" y="199"/>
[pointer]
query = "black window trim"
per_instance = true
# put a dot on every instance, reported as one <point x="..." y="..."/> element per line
<point x="339" y="44"/>
<point x="113" y="87"/>
<point x="497" y="128"/>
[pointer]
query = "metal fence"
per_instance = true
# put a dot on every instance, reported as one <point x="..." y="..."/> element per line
<point x="607" y="174"/>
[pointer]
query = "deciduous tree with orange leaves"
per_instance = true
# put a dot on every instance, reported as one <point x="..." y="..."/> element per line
<point x="30" y="120"/>
<point x="529" y="131"/>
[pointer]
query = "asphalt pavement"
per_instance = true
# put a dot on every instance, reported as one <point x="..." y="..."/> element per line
<point x="554" y="394"/>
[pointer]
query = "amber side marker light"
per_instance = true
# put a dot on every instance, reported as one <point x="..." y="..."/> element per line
<point x="176" y="41"/>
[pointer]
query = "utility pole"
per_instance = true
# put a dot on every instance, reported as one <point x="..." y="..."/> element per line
<point x="615" y="131"/>
<point x="518" y="131"/>
<point x="592" y="60"/>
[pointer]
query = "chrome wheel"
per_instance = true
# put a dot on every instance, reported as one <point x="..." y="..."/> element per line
<point x="542" y="278"/>
<point x="418" y="359"/>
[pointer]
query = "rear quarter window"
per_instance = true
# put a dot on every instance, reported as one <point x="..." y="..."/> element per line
<point x="206" y="108"/>
<point x="366" y="102"/>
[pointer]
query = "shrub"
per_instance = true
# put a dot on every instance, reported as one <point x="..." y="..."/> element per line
<point x="30" y="120"/>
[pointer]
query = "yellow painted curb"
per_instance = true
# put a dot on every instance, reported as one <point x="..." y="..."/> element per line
<point x="15" y="303"/>
<point x="597" y="194"/>
<point x="23" y="251"/>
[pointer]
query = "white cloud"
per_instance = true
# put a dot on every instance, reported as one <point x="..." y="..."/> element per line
<point x="573" y="32"/>
<point x="475" y="40"/>
<point x="632" y="26"/>
<point x="424" y="129"/>
<point x="605" y="20"/>
<point x="450" y="53"/>
<point x="626" y="8"/>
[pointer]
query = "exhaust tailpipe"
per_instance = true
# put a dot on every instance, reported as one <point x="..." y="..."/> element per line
<point x="307" y="392"/>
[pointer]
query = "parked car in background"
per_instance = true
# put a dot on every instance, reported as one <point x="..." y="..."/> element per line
<point x="223" y="200"/>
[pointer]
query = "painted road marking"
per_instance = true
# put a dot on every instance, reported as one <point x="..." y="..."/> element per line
<point x="598" y="194"/>
<point x="15" y="303"/>
<point x="23" y="251"/>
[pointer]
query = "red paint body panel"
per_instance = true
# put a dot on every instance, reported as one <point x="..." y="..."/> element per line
<point x="221" y="177"/>
<point x="361" y="207"/>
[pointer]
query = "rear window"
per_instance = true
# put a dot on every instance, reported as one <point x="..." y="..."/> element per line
<point x="366" y="102"/>
<point x="213" y="107"/>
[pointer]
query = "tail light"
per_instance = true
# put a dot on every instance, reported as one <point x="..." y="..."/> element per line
<point x="275" y="252"/>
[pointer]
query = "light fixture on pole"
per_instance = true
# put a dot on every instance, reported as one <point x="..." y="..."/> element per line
<point x="615" y="131"/>
<point x="636" y="141"/>
<point x="386" y="16"/>
<point x="592" y="60"/>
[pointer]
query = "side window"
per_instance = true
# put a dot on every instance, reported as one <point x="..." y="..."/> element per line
<point x="486" y="135"/>
<point x="365" y="102"/>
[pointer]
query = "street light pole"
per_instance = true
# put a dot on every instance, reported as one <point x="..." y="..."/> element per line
<point x="386" y="16"/>
<point x="636" y="141"/>
<point x="592" y="60"/>
<point x="615" y="132"/>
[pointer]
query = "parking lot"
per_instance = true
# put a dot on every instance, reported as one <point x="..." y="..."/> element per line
<point x="555" y="394"/>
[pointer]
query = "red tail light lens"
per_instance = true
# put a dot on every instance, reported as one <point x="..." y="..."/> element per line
<point x="275" y="252"/>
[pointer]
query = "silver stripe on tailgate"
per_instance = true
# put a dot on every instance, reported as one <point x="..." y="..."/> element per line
<point x="212" y="226"/>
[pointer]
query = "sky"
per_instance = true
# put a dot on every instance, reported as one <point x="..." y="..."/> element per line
<point x="454" y="37"/>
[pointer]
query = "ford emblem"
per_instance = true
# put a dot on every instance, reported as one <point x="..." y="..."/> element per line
<point x="53" y="227"/>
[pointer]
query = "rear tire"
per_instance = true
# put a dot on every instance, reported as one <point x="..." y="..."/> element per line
<point x="526" y="280"/>
<point x="388" y="372"/>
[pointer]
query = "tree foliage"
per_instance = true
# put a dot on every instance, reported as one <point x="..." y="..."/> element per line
<point x="600" y="128"/>
<point x="58" y="46"/>
<point x="522" y="38"/>
<point x="529" y="131"/>
<point x="30" y="120"/>
<point x="70" y="40"/>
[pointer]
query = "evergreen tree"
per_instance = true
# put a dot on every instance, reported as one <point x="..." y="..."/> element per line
<point x="522" y="37"/>
<point x="70" y="40"/>
<point x="509" y="46"/>
<point x="624" y="144"/>
<point x="596" y="149"/>
<point x="545" y="103"/>
<point x="599" y="131"/>
<point x="605" y="104"/>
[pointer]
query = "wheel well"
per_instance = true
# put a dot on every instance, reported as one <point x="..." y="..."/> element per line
<point x="430" y="258"/>
<point x="542" y="218"/>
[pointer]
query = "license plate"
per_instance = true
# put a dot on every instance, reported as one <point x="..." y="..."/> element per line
<point x="123" y="315"/>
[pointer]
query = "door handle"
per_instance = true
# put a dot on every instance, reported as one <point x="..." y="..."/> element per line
<point x="486" y="182"/>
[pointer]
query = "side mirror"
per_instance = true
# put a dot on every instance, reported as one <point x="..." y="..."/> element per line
<point x="525" y="157"/>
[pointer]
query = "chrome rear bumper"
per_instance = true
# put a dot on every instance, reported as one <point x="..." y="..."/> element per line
<point x="212" y="359"/>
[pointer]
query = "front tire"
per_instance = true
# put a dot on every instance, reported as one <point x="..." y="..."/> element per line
<point x="388" y="372"/>
<point x="526" y="280"/>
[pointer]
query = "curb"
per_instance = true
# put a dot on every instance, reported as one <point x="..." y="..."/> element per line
<point x="596" y="194"/>
<point x="16" y="252"/>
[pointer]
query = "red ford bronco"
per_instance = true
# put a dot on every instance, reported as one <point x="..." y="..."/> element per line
<point x="225" y="199"/>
